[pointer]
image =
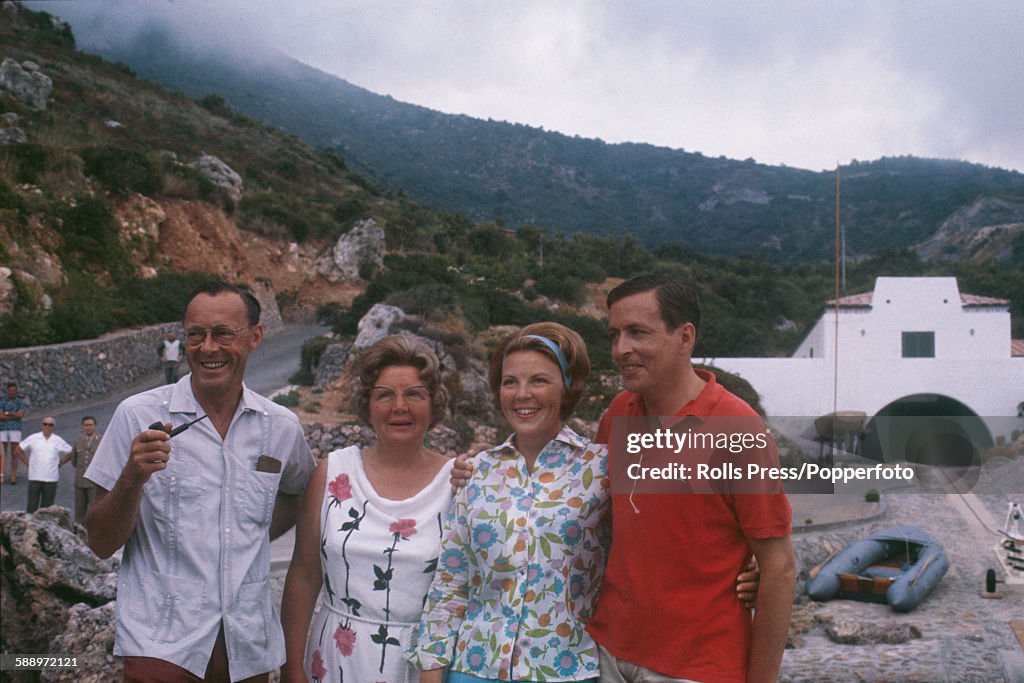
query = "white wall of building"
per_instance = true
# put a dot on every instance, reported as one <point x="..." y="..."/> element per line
<point x="972" y="362"/>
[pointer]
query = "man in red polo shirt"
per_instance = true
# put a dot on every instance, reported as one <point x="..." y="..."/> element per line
<point x="667" y="609"/>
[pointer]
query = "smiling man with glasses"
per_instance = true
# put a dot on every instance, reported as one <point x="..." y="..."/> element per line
<point x="46" y="452"/>
<point x="196" y="512"/>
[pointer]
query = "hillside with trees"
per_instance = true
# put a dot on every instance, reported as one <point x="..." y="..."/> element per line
<point x="515" y="174"/>
<point x="107" y="219"/>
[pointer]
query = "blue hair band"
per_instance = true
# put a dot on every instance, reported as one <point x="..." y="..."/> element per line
<point x="562" y="362"/>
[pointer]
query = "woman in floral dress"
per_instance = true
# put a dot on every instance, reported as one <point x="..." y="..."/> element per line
<point x="369" y="528"/>
<point x="525" y="542"/>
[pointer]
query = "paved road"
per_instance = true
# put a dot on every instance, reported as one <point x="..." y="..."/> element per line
<point x="268" y="369"/>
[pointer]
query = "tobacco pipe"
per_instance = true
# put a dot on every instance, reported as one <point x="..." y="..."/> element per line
<point x="177" y="430"/>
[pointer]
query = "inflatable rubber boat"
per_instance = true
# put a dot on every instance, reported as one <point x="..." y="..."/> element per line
<point x="899" y="567"/>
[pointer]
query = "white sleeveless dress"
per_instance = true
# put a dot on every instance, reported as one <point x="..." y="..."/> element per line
<point x="378" y="558"/>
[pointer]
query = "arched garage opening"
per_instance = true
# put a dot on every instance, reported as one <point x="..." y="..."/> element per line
<point x="931" y="430"/>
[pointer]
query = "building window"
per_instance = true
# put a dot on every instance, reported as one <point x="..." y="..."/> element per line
<point x="919" y="345"/>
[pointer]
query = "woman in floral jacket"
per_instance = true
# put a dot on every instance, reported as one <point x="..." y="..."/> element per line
<point x="524" y="544"/>
<point x="369" y="528"/>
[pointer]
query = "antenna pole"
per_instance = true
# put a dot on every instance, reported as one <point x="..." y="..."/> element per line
<point x="835" y="332"/>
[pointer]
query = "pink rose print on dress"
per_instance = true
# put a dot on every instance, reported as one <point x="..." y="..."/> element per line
<point x="339" y="488"/>
<point x="403" y="527"/>
<point x="345" y="639"/>
<point x="317" y="668"/>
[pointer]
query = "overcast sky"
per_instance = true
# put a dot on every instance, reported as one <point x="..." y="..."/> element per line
<point x="806" y="84"/>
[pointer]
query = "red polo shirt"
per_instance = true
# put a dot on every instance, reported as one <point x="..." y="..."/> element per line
<point x="668" y="600"/>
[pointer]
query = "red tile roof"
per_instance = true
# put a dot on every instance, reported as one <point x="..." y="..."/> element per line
<point x="1017" y="348"/>
<point x="864" y="299"/>
<point x="976" y="300"/>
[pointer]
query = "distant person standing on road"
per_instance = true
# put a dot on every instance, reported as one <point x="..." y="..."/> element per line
<point x="46" y="453"/>
<point x="170" y="354"/>
<point x="12" y="410"/>
<point x="81" y="455"/>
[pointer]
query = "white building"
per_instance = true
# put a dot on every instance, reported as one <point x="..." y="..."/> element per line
<point x="913" y="346"/>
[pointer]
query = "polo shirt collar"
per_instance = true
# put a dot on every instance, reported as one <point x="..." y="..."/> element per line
<point x="700" y="407"/>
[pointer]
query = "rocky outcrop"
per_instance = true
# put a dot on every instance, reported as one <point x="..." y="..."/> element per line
<point x="331" y="365"/>
<point x="224" y="178"/>
<point x="89" y="634"/>
<point x="358" y="252"/>
<point x="263" y="290"/>
<point x="12" y="136"/>
<point x="26" y="83"/>
<point x="7" y="292"/>
<point x="22" y="290"/>
<point x="9" y="132"/>
<point x="984" y="230"/>
<point x="139" y="219"/>
<point x="376" y="325"/>
<point x="51" y="585"/>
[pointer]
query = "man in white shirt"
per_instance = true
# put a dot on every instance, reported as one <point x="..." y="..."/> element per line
<point x="195" y="512"/>
<point x="46" y="452"/>
<point x="170" y="355"/>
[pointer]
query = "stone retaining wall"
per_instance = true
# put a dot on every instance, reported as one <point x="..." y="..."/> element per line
<point x="62" y="374"/>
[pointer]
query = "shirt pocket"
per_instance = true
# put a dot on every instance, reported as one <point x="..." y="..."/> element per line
<point x="258" y="494"/>
<point x="252" y="617"/>
<point x="175" y="603"/>
<point x="177" y="495"/>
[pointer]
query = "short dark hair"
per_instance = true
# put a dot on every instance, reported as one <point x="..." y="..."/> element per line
<point x="215" y="287"/>
<point x="398" y="350"/>
<point x="678" y="303"/>
<point x="12" y="384"/>
<point x="88" y="417"/>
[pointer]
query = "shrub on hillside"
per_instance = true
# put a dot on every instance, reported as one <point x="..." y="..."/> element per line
<point x="90" y="236"/>
<point x="121" y="170"/>
<point x="31" y="161"/>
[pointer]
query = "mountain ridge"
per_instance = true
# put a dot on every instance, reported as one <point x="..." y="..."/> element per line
<point x="517" y="174"/>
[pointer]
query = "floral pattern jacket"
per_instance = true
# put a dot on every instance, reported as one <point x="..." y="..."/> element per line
<point x="522" y="556"/>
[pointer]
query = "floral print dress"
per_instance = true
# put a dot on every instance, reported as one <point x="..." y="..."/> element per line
<point x="378" y="558"/>
<point x="520" y="566"/>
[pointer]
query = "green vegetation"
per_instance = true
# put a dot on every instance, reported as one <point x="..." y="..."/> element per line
<point x="309" y="357"/>
<point x="289" y="400"/>
<point x="516" y="174"/>
<point x="67" y="184"/>
<point x="87" y="309"/>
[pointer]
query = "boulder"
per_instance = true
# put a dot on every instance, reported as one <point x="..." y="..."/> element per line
<point x="7" y="294"/>
<point x="36" y="300"/>
<point x="89" y="635"/>
<point x="45" y="569"/>
<point x="359" y="250"/>
<point x="331" y="365"/>
<point x="12" y="136"/>
<point x="263" y="290"/>
<point x="376" y="325"/>
<point x="224" y="178"/>
<point x="26" y="83"/>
